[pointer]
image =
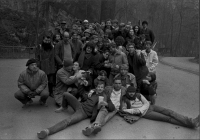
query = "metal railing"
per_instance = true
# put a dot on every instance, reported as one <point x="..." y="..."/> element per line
<point x="17" y="52"/>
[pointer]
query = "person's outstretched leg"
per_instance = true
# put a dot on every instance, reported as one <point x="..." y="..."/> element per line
<point x="167" y="115"/>
<point x="102" y="118"/>
<point x="188" y="122"/>
<point x="74" y="118"/>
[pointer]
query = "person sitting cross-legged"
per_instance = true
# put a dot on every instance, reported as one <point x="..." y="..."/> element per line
<point x="82" y="111"/>
<point x="32" y="82"/>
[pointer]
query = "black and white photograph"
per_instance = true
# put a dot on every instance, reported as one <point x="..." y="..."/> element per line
<point x="99" y="69"/>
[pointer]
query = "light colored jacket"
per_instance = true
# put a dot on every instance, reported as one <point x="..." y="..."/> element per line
<point x="140" y="104"/>
<point x="118" y="58"/>
<point x="151" y="60"/>
<point x="32" y="81"/>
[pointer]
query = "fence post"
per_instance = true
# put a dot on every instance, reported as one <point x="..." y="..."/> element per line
<point x="13" y="52"/>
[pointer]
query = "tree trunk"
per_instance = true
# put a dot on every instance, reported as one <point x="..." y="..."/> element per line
<point x="47" y="16"/>
<point x="171" y="46"/>
<point x="107" y="9"/>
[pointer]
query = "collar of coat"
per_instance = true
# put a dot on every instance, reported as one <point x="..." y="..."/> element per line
<point x="32" y="72"/>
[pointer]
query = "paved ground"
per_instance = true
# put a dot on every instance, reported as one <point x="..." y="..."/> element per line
<point x="183" y="63"/>
<point x="177" y="90"/>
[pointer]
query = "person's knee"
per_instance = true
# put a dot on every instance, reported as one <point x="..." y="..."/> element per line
<point x="153" y="99"/>
<point x="18" y="94"/>
<point x="66" y="94"/>
<point x="44" y="93"/>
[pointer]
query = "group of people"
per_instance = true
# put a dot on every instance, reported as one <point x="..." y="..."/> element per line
<point x="98" y="69"/>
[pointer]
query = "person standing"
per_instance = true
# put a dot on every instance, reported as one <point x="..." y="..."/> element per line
<point x="46" y="56"/>
<point x="150" y="56"/>
<point x="63" y="51"/>
<point x="149" y="35"/>
<point x="77" y="46"/>
<point x="116" y="58"/>
<point x="137" y="64"/>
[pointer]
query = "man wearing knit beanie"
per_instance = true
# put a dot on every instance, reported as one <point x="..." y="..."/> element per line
<point x="32" y="82"/>
<point x="63" y="81"/>
<point x="126" y="77"/>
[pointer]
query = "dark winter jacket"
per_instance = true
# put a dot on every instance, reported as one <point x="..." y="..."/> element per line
<point x="137" y="66"/>
<point x="148" y="34"/>
<point x="32" y="81"/>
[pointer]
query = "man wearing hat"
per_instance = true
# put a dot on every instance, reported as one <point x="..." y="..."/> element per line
<point x="32" y="82"/>
<point x="126" y="77"/>
<point x="63" y="80"/>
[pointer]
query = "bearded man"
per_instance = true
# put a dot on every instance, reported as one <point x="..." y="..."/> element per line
<point x="45" y="55"/>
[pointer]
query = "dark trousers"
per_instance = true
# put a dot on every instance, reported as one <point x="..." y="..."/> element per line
<point x="158" y="113"/>
<point x="23" y="98"/>
<point x="77" y="116"/>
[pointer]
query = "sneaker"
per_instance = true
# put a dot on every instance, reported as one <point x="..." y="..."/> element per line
<point x="42" y="103"/>
<point x="58" y="110"/>
<point x="43" y="134"/>
<point x="27" y="103"/>
<point x="88" y="131"/>
<point x="195" y="122"/>
<point x="97" y="128"/>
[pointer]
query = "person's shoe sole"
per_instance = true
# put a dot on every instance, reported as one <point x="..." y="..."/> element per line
<point x="97" y="129"/>
<point x="87" y="131"/>
<point x="42" y="134"/>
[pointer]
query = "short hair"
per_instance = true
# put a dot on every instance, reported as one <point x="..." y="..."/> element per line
<point x="117" y="78"/>
<point x="112" y="44"/>
<point x="115" y="21"/>
<point x="101" y="83"/>
<point x="124" y="67"/>
<point x="103" y="72"/>
<point x="130" y="43"/>
<point x="91" y="45"/>
<point x="144" y="22"/>
<point x="119" y="40"/>
<point x="148" y="42"/>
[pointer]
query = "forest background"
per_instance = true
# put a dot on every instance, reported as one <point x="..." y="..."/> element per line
<point x="175" y="23"/>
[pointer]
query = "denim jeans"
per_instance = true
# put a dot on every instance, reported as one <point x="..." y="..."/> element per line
<point x="104" y="116"/>
<point x="158" y="113"/>
<point x="23" y="98"/>
<point x="79" y="114"/>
